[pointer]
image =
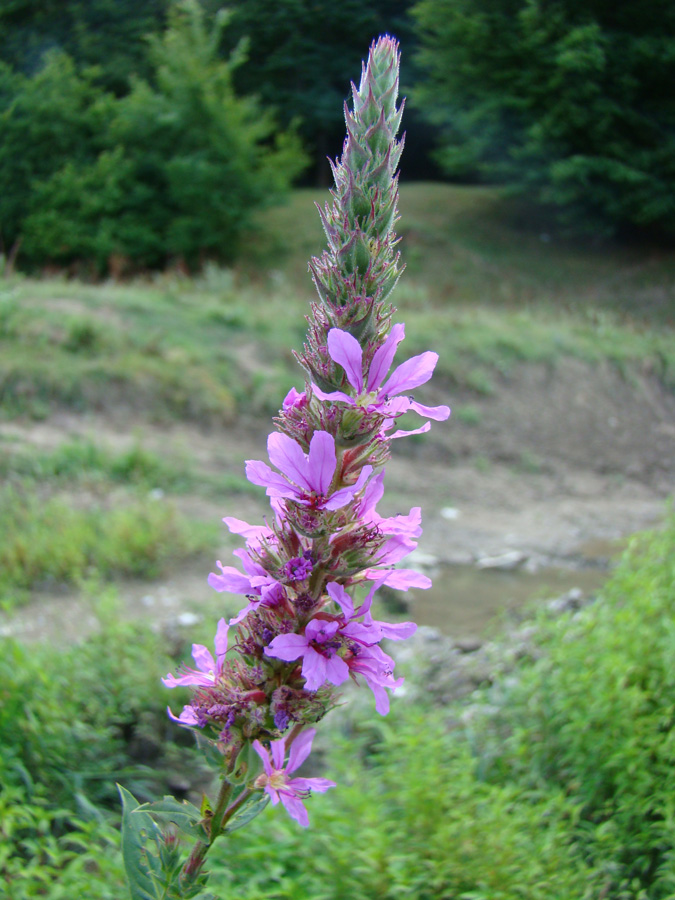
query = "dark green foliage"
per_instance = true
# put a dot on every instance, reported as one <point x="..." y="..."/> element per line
<point x="571" y="102"/>
<point x="301" y="57"/>
<point x="172" y="171"/>
<point x="106" y="33"/>
<point x="72" y="722"/>
<point x="52" y="120"/>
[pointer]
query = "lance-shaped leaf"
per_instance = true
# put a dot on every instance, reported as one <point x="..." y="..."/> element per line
<point x="141" y="849"/>
<point x="248" y="812"/>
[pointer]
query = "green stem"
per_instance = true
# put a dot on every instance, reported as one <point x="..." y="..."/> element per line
<point x="196" y="859"/>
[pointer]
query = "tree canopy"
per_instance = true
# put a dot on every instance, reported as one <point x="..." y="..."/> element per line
<point x="569" y="101"/>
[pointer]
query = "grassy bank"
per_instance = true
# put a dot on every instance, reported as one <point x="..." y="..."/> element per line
<point x="480" y="288"/>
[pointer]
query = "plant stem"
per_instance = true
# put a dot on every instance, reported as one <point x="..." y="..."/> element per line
<point x="196" y="859"/>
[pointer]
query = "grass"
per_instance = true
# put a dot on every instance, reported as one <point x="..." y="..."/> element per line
<point x="64" y="538"/>
<point x="481" y="289"/>
<point x="84" y="463"/>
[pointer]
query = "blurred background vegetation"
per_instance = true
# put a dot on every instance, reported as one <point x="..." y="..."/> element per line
<point x="140" y="134"/>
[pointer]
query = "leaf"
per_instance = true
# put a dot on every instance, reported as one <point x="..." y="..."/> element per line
<point x="182" y="814"/>
<point x="143" y="869"/>
<point x="248" y="812"/>
<point x="212" y="754"/>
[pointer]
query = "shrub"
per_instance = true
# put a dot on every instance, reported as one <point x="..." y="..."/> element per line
<point x="596" y="719"/>
<point x="184" y="166"/>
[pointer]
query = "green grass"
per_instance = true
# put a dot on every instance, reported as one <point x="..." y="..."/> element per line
<point x="480" y="289"/>
<point x="83" y="463"/>
<point x="63" y="539"/>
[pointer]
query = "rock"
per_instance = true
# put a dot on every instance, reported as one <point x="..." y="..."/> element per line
<point x="450" y="513"/>
<point x="510" y="559"/>
<point x="468" y="644"/>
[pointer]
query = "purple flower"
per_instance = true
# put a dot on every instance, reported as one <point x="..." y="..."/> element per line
<point x="299" y="568"/>
<point x="208" y="670"/>
<point x="377" y="670"/>
<point x="205" y="675"/>
<point x="318" y="648"/>
<point x="305" y="478"/>
<point x="295" y="399"/>
<point x="379" y="393"/>
<point x="409" y="526"/>
<point x="257" y="584"/>
<point x="398" y="631"/>
<point x="275" y="780"/>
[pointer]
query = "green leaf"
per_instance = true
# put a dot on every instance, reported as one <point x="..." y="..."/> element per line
<point x="212" y="754"/>
<point x="186" y="817"/>
<point x="248" y="812"/>
<point x="143" y="868"/>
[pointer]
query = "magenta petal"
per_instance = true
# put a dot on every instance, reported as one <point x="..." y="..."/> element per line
<point x="372" y="496"/>
<point x="288" y="647"/>
<point x="410" y="374"/>
<point x="397" y="632"/>
<point x="384" y="357"/>
<point x="368" y="633"/>
<point x="286" y="454"/>
<point x="220" y="642"/>
<point x="399" y="434"/>
<point x="295" y="808"/>
<point x="278" y="749"/>
<point x="437" y="413"/>
<point x="333" y="396"/>
<point x="187" y="716"/>
<point x="202" y="656"/>
<point x="300" y="749"/>
<point x="321" y="462"/>
<point x="344" y="495"/>
<point x="336" y="670"/>
<point x="238" y="526"/>
<point x="264" y="755"/>
<point x="338" y="594"/>
<point x="382" y="703"/>
<point x="231" y="580"/>
<point x="400" y="579"/>
<point x="346" y="351"/>
<point x="313" y="669"/>
<point x="311" y="784"/>
<point x="258" y="472"/>
<point x="320" y="630"/>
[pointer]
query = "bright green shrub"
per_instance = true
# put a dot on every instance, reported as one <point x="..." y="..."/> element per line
<point x="409" y="818"/>
<point x="74" y="721"/>
<point x="596" y="719"/>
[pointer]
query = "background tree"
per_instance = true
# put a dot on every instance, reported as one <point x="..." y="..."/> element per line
<point x="55" y="118"/>
<point x="570" y="101"/>
<point x="109" y="34"/>
<point x="173" y="170"/>
<point x="301" y="57"/>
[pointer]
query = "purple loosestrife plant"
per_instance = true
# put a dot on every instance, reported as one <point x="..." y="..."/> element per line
<point x="302" y="633"/>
